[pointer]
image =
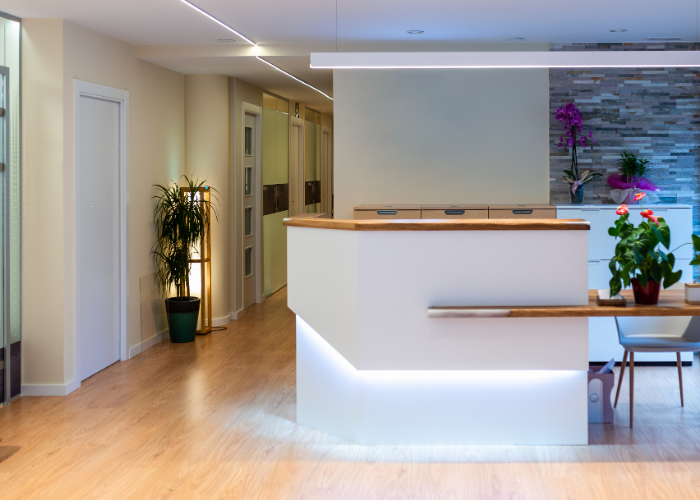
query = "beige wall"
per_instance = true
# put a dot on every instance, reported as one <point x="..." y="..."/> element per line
<point x="240" y="92"/>
<point x="440" y="136"/>
<point x="55" y="52"/>
<point x="207" y="158"/>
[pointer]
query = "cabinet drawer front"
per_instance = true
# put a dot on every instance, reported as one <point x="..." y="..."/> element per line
<point x="524" y="213"/>
<point x="456" y="213"/>
<point x="387" y="213"/>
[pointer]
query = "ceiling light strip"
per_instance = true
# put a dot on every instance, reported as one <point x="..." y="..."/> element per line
<point x="498" y="60"/>
<point x="292" y="76"/>
<point x="204" y="13"/>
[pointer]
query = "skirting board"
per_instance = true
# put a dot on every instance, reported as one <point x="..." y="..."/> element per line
<point x="50" y="389"/>
<point x="139" y="348"/>
<point x="221" y="321"/>
<point x="237" y="315"/>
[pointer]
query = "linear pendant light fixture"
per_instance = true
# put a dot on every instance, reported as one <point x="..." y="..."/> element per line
<point x="439" y="60"/>
<point x="292" y="76"/>
<point x="221" y="23"/>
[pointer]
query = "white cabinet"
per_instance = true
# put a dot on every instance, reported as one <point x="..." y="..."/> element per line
<point x="603" y="341"/>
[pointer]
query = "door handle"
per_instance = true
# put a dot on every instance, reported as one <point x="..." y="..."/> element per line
<point x="593" y="261"/>
<point x="454" y="212"/>
<point x="522" y="212"/>
<point x="386" y="212"/>
<point x="590" y="210"/>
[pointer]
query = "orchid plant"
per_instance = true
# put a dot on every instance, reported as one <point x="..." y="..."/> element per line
<point x="638" y="255"/>
<point x="570" y="116"/>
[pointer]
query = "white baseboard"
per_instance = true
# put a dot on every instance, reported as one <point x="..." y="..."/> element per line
<point x="50" y="389"/>
<point x="139" y="348"/>
<point x="221" y="321"/>
<point x="237" y="315"/>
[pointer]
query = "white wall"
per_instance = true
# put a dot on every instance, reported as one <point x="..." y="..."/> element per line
<point x="55" y="52"/>
<point x="207" y="158"/>
<point x="440" y="136"/>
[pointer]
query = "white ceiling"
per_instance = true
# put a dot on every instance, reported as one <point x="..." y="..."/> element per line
<point x="376" y="22"/>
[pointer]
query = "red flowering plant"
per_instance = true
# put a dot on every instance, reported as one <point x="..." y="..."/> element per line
<point x="573" y="125"/>
<point x="639" y="258"/>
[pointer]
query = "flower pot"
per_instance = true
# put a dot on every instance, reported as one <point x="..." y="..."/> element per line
<point x="183" y="313"/>
<point x="648" y="295"/>
<point x="692" y="293"/>
<point x="577" y="197"/>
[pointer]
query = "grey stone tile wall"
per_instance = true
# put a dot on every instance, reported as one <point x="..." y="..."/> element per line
<point x="654" y="112"/>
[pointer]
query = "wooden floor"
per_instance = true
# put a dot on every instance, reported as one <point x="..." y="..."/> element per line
<point x="216" y="419"/>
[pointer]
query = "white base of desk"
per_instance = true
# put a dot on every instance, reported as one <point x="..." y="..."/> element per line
<point x="427" y="407"/>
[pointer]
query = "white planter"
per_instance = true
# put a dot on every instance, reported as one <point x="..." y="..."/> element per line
<point x="692" y="293"/>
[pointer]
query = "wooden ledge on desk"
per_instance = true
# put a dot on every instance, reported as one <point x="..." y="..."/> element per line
<point x="441" y="224"/>
<point x="671" y="303"/>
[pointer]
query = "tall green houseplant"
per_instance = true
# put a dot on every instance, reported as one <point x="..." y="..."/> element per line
<point x="182" y="220"/>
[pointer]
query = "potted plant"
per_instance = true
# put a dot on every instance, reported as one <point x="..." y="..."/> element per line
<point x="638" y="259"/>
<point x="692" y="290"/>
<point x="573" y="125"/>
<point x="181" y="220"/>
<point x="631" y="180"/>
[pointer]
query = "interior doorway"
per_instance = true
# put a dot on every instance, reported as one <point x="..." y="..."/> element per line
<point x="327" y="171"/>
<point x="101" y="131"/>
<point x="252" y="206"/>
<point x="296" y="167"/>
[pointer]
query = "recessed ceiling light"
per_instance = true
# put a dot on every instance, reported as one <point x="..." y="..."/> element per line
<point x="619" y="30"/>
<point x="226" y="40"/>
<point x="516" y="39"/>
<point x="217" y="21"/>
<point x="664" y="38"/>
<point x="415" y="32"/>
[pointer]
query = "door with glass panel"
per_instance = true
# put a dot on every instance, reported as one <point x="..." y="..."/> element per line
<point x="249" y="215"/>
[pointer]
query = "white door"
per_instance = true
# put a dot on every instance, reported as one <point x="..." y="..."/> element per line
<point x="98" y="226"/>
<point x="249" y="207"/>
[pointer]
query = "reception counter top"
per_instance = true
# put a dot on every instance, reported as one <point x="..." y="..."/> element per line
<point x="441" y="224"/>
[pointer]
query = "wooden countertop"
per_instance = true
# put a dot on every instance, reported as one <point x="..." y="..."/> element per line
<point x="442" y="224"/>
<point x="671" y="303"/>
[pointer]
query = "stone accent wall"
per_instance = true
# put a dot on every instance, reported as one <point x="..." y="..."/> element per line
<point x="654" y="112"/>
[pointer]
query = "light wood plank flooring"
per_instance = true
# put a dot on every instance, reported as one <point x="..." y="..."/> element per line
<point x="216" y="419"/>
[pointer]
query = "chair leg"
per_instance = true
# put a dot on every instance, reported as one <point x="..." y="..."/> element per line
<point x="680" y="375"/>
<point x="619" y="382"/>
<point x="631" y="388"/>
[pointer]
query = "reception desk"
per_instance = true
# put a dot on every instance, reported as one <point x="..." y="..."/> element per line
<point x="374" y="368"/>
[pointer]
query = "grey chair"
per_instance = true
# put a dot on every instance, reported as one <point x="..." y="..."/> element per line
<point x="655" y="334"/>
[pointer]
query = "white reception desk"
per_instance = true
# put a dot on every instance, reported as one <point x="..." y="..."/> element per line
<point x="374" y="368"/>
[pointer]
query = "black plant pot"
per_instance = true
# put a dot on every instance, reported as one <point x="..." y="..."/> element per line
<point x="183" y="313"/>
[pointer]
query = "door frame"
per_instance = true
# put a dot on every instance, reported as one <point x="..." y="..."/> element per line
<point x="7" y="337"/>
<point x="298" y="196"/>
<point x="121" y="97"/>
<point x="251" y="109"/>
<point x="327" y="173"/>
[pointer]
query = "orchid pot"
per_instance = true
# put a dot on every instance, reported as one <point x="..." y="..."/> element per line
<point x="575" y="138"/>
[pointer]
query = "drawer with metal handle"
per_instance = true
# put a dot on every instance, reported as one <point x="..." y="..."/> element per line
<point x="387" y="213"/>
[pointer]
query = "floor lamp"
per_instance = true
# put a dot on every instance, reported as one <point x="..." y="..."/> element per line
<point x="201" y="282"/>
